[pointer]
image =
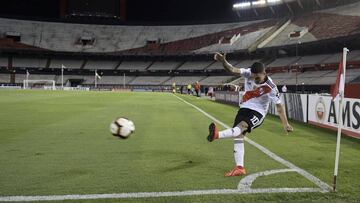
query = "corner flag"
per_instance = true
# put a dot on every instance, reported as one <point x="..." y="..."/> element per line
<point x="338" y="92"/>
<point x="97" y="75"/>
<point x="340" y="83"/>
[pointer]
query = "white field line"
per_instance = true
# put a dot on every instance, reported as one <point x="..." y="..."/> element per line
<point x="301" y="171"/>
<point x="155" y="194"/>
<point x="244" y="186"/>
<point x="246" y="182"/>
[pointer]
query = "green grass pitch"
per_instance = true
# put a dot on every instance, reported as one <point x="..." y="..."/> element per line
<point x="58" y="143"/>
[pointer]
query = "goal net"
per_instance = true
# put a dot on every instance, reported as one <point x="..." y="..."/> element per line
<point x="39" y="84"/>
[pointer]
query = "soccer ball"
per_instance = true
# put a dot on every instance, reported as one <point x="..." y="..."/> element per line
<point x="122" y="128"/>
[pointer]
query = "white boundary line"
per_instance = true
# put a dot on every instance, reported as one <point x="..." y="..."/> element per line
<point x="325" y="187"/>
<point x="246" y="182"/>
<point x="244" y="186"/>
<point x="155" y="194"/>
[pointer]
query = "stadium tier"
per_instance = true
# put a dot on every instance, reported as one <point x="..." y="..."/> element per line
<point x="216" y="80"/>
<point x="103" y="38"/>
<point x="218" y="66"/>
<point x="195" y="65"/>
<point x="5" y="78"/>
<point x="149" y="80"/>
<point x="320" y="25"/>
<point x="101" y="64"/>
<point x="134" y="65"/>
<point x="165" y="65"/>
<point x="286" y="61"/>
<point x="29" y="62"/>
<point x="161" y="55"/>
<point x="57" y="63"/>
<point x="184" y="80"/>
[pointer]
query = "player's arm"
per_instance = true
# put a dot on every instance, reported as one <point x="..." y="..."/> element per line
<point x="281" y="111"/>
<point x="222" y="59"/>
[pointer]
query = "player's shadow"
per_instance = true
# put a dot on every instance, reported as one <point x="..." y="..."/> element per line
<point x="182" y="166"/>
<point x="175" y="161"/>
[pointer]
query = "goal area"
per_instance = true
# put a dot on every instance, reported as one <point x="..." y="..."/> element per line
<point x="39" y="84"/>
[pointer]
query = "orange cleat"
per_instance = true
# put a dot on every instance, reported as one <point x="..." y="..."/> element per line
<point x="213" y="132"/>
<point x="237" y="171"/>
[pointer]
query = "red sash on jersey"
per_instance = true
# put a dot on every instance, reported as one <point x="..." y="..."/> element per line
<point x="261" y="90"/>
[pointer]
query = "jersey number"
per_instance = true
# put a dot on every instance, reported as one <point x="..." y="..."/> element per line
<point x="255" y="120"/>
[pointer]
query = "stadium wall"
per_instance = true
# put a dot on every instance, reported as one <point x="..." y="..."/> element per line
<point x="316" y="110"/>
<point x="323" y="112"/>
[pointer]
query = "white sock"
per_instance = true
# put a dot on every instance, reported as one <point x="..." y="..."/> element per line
<point x="239" y="151"/>
<point x="231" y="132"/>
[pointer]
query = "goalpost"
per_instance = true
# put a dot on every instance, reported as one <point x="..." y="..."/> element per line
<point x="45" y="84"/>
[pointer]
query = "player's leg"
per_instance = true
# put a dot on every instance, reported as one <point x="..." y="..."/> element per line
<point x="254" y="120"/>
<point x="240" y="126"/>
<point x="234" y="132"/>
<point x="239" y="152"/>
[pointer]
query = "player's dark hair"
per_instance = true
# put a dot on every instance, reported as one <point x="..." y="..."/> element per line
<point x="258" y="67"/>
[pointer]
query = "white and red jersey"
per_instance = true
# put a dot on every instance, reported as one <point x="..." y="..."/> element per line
<point x="257" y="97"/>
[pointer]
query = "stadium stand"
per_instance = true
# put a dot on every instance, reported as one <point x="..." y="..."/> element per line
<point x="195" y="65"/>
<point x="284" y="62"/>
<point x="304" y="78"/>
<point x="333" y="58"/>
<point x="149" y="80"/>
<point x="326" y="24"/>
<point x="279" y="78"/>
<point x="112" y="80"/>
<point x="110" y="38"/>
<point x="195" y="43"/>
<point x="356" y="80"/>
<point x="29" y="62"/>
<point x="353" y="55"/>
<point x="4" y="78"/>
<point x="311" y="60"/>
<point x="246" y="63"/>
<point x="327" y="77"/>
<point x="73" y="64"/>
<point x="346" y="10"/>
<point x="134" y="65"/>
<point x="219" y="66"/>
<point x="184" y="80"/>
<point x="104" y="80"/>
<point x="237" y="81"/>
<point x="242" y="43"/>
<point x="84" y="78"/>
<point x="135" y="50"/>
<point x="165" y="65"/>
<point x="6" y="43"/>
<point x="215" y="80"/>
<point x="4" y="61"/>
<point x="101" y="64"/>
<point x="320" y="25"/>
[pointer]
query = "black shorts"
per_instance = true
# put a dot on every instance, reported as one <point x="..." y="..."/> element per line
<point x="253" y="118"/>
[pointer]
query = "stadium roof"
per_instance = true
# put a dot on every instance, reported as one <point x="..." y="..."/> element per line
<point x="154" y="12"/>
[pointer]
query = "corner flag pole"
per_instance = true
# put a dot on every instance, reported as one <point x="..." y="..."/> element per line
<point x="124" y="80"/>
<point x="62" y="76"/>
<point x="95" y="78"/>
<point x="26" y="84"/>
<point x="341" y="87"/>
